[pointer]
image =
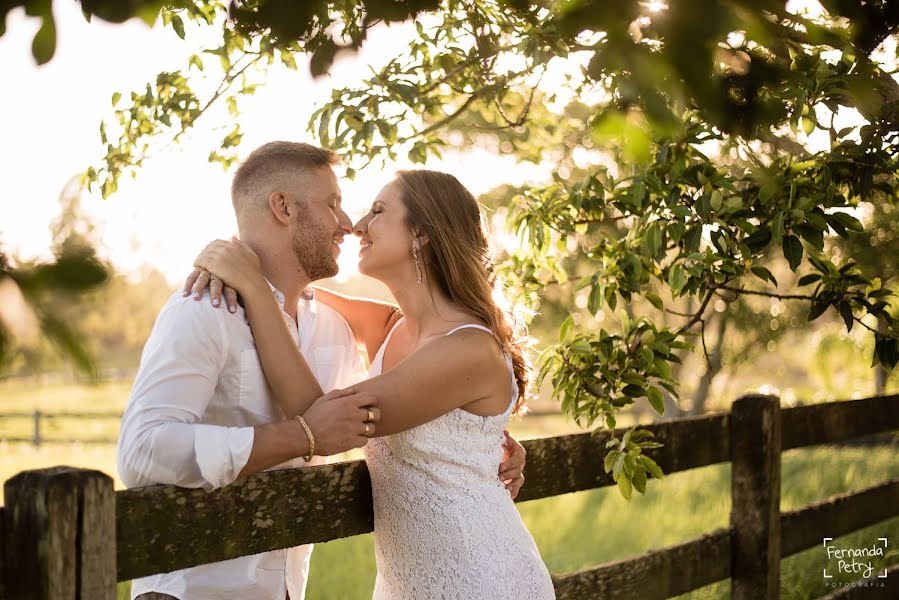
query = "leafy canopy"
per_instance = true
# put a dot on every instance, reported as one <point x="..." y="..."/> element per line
<point x="680" y="137"/>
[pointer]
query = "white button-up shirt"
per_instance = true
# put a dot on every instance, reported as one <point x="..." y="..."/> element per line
<point x="198" y="393"/>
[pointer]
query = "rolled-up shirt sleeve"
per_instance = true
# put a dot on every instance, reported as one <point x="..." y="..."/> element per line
<point x="161" y="440"/>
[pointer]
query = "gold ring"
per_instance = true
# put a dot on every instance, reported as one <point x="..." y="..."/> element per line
<point x="371" y="415"/>
<point x="367" y="430"/>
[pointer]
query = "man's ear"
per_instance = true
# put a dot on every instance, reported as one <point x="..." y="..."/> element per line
<point x="280" y="207"/>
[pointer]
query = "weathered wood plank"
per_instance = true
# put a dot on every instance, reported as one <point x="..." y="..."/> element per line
<point x="53" y="518"/>
<point x="889" y="591"/>
<point x="572" y="463"/>
<point x="837" y="421"/>
<point x="838" y="515"/>
<point x="96" y="538"/>
<point x="270" y="510"/>
<point x="654" y="575"/>
<point x="164" y="528"/>
<point x="755" y="498"/>
<point x="3" y="594"/>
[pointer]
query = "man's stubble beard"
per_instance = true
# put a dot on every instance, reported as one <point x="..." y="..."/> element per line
<point x="312" y="247"/>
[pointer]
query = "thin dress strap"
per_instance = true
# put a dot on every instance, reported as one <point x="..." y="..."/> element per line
<point x="505" y="356"/>
<point x="475" y="326"/>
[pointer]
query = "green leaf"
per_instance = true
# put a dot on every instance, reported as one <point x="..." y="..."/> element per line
<point x="816" y="309"/>
<point x="633" y="391"/>
<point x="640" y="480"/>
<point x="662" y="367"/>
<point x="625" y="487"/>
<point x="656" y="400"/>
<point x="777" y="228"/>
<point x="692" y="238"/>
<point x="807" y="279"/>
<point x="652" y="239"/>
<point x="764" y="274"/>
<point x="178" y="26"/>
<point x="654" y="300"/>
<point x="565" y="329"/>
<point x="792" y="249"/>
<point x="71" y="272"/>
<point x="847" y="221"/>
<point x="808" y="125"/>
<point x="43" y="47"/>
<point x="651" y="466"/>
<point x="610" y="459"/>
<point x="322" y="58"/>
<point x="676" y="279"/>
<point x="846" y="312"/>
<point x="594" y="300"/>
<point x="115" y="98"/>
<point x="71" y="344"/>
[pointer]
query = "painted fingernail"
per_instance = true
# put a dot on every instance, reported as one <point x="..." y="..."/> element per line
<point x="197" y="296"/>
<point x="233" y="309"/>
<point x="215" y="303"/>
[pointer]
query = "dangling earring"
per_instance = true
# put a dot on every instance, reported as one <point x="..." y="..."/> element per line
<point x="417" y="264"/>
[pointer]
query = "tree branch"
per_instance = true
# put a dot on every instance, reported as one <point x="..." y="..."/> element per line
<point x="766" y="294"/>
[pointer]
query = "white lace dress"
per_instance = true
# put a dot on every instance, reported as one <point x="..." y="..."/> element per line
<point x="445" y="526"/>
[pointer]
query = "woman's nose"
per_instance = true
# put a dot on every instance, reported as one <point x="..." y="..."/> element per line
<point x="360" y="227"/>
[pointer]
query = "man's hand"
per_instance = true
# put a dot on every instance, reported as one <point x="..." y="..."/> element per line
<point x="511" y="469"/>
<point x="341" y="420"/>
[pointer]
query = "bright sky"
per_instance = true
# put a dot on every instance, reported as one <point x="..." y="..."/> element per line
<point x="49" y="133"/>
<point x="49" y="123"/>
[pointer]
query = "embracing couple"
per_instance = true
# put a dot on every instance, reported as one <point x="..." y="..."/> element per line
<point x="265" y="373"/>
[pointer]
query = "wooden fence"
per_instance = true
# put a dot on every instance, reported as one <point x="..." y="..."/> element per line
<point x="59" y="524"/>
<point x="38" y="417"/>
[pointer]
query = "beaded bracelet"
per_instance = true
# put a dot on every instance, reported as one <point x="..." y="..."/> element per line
<point x="308" y="431"/>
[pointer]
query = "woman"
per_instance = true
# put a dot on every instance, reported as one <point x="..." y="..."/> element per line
<point x="448" y="374"/>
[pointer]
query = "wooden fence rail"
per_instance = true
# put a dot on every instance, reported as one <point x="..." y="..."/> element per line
<point x="37" y="418"/>
<point x="54" y="518"/>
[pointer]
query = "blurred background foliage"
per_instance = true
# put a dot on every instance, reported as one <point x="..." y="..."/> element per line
<point x="724" y="173"/>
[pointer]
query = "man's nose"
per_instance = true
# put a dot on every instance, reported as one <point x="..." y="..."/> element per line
<point x="346" y="225"/>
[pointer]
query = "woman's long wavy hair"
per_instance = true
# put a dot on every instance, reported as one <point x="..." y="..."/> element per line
<point x="457" y="259"/>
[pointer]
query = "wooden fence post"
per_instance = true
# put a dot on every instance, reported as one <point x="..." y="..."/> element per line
<point x="755" y="490"/>
<point x="59" y="535"/>
<point x="37" y="428"/>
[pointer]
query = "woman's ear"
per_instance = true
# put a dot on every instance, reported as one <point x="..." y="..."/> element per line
<point x="422" y="240"/>
<point x="279" y="205"/>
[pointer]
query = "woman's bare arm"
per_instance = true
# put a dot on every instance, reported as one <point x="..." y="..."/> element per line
<point x="293" y="384"/>
<point x="447" y="373"/>
<point x="370" y="320"/>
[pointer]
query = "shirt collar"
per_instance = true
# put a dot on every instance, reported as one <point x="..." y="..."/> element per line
<point x="307" y="294"/>
<point x="279" y="295"/>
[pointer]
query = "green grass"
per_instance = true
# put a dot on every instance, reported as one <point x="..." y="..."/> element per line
<point x="572" y="531"/>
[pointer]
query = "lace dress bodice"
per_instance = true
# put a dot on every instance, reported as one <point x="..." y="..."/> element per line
<point x="445" y="525"/>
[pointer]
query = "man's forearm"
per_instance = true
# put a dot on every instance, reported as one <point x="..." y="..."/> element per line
<point x="274" y="444"/>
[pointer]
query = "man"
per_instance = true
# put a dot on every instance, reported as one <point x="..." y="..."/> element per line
<point x="201" y="413"/>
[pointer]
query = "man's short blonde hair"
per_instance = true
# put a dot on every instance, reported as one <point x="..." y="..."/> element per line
<point x="266" y="168"/>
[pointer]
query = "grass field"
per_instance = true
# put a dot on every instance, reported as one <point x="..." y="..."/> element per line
<point x="572" y="531"/>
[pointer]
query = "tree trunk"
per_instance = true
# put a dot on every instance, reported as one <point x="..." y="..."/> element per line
<point x="713" y="367"/>
<point x="880" y="374"/>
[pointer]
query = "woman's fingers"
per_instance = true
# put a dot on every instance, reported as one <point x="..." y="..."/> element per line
<point x="230" y="298"/>
<point x="200" y="284"/>
<point x="189" y="282"/>
<point x="215" y="291"/>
